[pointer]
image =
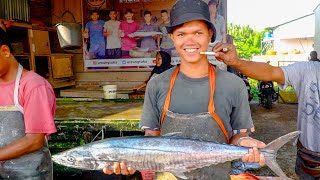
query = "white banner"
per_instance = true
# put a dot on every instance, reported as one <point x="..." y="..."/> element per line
<point x="136" y="62"/>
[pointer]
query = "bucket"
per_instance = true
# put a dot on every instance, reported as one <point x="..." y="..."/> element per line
<point x="110" y="91"/>
<point x="69" y="34"/>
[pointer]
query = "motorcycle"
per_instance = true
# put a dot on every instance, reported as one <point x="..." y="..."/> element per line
<point x="246" y="82"/>
<point x="267" y="94"/>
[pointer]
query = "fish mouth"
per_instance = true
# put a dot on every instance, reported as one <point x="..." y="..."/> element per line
<point x="59" y="159"/>
<point x="70" y="161"/>
<point x="55" y="158"/>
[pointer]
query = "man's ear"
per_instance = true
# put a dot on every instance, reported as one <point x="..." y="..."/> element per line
<point x="171" y="36"/>
<point x="210" y="34"/>
<point x="5" y="50"/>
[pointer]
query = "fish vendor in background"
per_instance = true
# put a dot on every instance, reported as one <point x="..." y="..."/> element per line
<point x="27" y="108"/>
<point x="195" y="98"/>
<point x="304" y="77"/>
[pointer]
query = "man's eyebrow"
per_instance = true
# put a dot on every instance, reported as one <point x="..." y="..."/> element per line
<point x="197" y="30"/>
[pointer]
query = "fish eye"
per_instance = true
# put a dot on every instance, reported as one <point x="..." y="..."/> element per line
<point x="71" y="159"/>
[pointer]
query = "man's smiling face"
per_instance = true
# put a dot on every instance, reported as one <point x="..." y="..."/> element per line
<point x="191" y="39"/>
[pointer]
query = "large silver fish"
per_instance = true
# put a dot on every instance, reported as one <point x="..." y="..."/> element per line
<point x="168" y="153"/>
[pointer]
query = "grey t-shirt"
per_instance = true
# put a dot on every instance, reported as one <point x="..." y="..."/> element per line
<point x="166" y="41"/>
<point x="304" y="77"/>
<point x="191" y="95"/>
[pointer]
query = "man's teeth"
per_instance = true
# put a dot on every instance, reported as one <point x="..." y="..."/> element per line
<point x="191" y="50"/>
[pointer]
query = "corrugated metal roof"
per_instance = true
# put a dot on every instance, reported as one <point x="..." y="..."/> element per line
<point x="14" y="10"/>
<point x="275" y="27"/>
<point x="302" y="27"/>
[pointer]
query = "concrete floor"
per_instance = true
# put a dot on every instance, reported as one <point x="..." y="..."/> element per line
<point x="119" y="114"/>
<point x="99" y="110"/>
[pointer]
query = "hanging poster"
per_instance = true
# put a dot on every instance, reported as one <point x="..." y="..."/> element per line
<point x="124" y="37"/>
<point x="131" y="38"/>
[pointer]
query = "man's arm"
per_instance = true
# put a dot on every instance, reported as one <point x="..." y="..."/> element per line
<point x="22" y="146"/>
<point x="39" y="107"/>
<point x="105" y="32"/>
<point x="255" y="70"/>
<point x="242" y="125"/>
<point x="86" y="33"/>
<point x="152" y="132"/>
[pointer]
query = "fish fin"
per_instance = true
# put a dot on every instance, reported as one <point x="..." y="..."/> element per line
<point x="270" y="152"/>
<point x="179" y="174"/>
<point x="172" y="134"/>
<point x="274" y="166"/>
<point x="279" y="142"/>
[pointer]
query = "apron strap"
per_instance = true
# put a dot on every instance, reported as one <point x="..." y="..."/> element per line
<point x="168" y="98"/>
<point x="16" y="89"/>
<point x="211" y="108"/>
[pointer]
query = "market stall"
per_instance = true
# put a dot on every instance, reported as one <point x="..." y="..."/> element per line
<point x="78" y="65"/>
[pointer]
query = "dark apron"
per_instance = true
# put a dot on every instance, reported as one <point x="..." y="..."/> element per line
<point x="205" y="126"/>
<point x="307" y="163"/>
<point x="36" y="165"/>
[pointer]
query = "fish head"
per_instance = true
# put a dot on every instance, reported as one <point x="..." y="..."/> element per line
<point x="80" y="158"/>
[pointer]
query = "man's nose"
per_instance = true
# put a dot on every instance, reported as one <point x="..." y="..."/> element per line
<point x="190" y="38"/>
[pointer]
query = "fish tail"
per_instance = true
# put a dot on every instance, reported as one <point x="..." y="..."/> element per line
<point x="270" y="152"/>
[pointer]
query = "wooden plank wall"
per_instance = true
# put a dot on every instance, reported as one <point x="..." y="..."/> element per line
<point x="58" y="7"/>
<point x="40" y="10"/>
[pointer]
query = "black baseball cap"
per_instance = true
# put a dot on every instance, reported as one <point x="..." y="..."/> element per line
<point x="190" y="10"/>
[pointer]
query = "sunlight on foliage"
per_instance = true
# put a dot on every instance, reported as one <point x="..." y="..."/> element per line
<point x="246" y="40"/>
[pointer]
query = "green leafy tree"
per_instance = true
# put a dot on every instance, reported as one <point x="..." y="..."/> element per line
<point x="246" y="40"/>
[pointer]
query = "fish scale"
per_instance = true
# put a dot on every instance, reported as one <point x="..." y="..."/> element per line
<point x="178" y="154"/>
<point x="163" y="154"/>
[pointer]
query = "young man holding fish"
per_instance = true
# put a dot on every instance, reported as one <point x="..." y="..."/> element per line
<point x="27" y="107"/>
<point x="195" y="98"/>
<point x="304" y="77"/>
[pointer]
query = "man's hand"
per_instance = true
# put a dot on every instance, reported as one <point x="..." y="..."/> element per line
<point x="226" y="53"/>
<point x="86" y="34"/>
<point x="119" y="169"/>
<point x="132" y="36"/>
<point x="22" y="146"/>
<point x="253" y="156"/>
<point x="255" y="70"/>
